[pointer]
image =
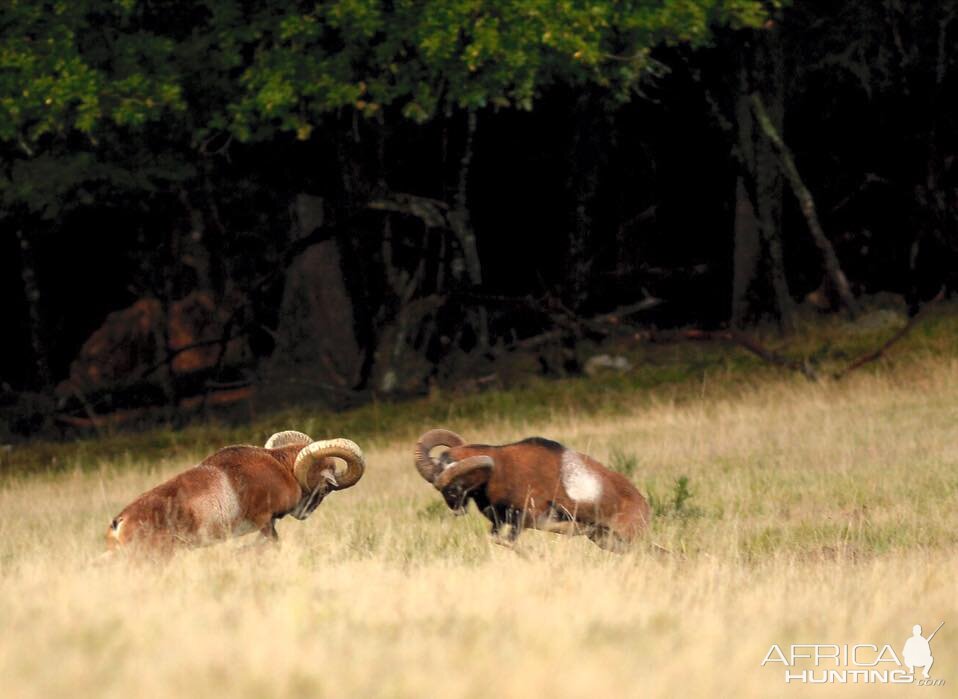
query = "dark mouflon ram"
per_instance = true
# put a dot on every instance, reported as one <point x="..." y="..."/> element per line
<point x="237" y="490"/>
<point x="536" y="484"/>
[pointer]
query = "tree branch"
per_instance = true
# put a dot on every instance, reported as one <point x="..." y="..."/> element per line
<point x="879" y="352"/>
<point x="832" y="267"/>
<point x="753" y="346"/>
<point x="432" y="212"/>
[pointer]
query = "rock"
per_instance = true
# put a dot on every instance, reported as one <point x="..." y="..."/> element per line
<point x="194" y="319"/>
<point x="128" y="341"/>
<point x="131" y="340"/>
<point x="880" y="319"/>
<point x="606" y="362"/>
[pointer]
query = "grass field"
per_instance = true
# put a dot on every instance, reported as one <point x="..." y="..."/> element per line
<point x="795" y="513"/>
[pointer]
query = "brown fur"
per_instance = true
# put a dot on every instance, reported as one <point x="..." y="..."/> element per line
<point x="178" y="512"/>
<point x="527" y="479"/>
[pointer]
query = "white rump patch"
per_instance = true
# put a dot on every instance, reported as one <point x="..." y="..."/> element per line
<point x="581" y="483"/>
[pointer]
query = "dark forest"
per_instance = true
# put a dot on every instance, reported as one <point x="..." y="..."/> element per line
<point x="362" y="198"/>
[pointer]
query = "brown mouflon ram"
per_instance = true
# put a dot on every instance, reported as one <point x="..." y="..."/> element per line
<point x="535" y="483"/>
<point x="236" y="491"/>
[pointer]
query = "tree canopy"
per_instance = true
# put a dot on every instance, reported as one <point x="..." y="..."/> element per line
<point x="92" y="67"/>
<point x="635" y="147"/>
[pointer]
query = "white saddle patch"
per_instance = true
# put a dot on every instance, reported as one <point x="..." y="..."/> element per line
<point x="581" y="483"/>
<point x="218" y="509"/>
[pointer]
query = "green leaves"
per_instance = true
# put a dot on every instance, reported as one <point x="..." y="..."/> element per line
<point x="427" y="57"/>
<point x="62" y="73"/>
<point x="284" y="65"/>
<point x="103" y="69"/>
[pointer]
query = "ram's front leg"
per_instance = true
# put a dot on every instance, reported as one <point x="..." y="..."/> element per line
<point x="267" y="537"/>
<point x="268" y="533"/>
<point x="496" y="516"/>
<point x="510" y="518"/>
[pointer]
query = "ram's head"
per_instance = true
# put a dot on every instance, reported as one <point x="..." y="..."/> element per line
<point x="454" y="477"/>
<point x="315" y="467"/>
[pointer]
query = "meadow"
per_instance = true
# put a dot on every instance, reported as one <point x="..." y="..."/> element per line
<point x="795" y="512"/>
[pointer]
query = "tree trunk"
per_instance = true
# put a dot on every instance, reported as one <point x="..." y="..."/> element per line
<point x="195" y="253"/>
<point x="769" y="189"/>
<point x="746" y="255"/>
<point x="38" y="345"/>
<point x="829" y="259"/>
<point x="461" y="223"/>
<point x="768" y="179"/>
<point x="582" y="185"/>
<point x="317" y="322"/>
<point x="758" y="205"/>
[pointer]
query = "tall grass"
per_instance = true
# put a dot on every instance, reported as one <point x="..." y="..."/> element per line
<point x="794" y="512"/>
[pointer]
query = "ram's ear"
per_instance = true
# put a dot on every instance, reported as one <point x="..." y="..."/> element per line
<point x="469" y="473"/>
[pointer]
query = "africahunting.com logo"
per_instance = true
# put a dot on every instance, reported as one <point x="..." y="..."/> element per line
<point x="860" y="663"/>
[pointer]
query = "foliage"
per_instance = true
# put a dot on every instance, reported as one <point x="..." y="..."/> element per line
<point x="676" y="505"/>
<point x="429" y="57"/>
<point x="624" y="462"/>
<point x="79" y="74"/>
<point x="71" y="67"/>
<point x="76" y="77"/>
<point x="680" y="375"/>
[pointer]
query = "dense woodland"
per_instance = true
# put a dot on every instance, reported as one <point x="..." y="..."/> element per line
<point x="365" y="198"/>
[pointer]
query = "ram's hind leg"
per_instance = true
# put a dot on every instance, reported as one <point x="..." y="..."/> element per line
<point x="135" y="539"/>
<point x="609" y="540"/>
<point x="558" y="520"/>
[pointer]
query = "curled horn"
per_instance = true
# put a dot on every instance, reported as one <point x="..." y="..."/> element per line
<point x="344" y="449"/>
<point x="428" y="467"/>
<point x="284" y="439"/>
<point x="461" y="468"/>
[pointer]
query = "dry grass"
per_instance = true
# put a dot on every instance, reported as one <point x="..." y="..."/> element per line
<point x="817" y="514"/>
